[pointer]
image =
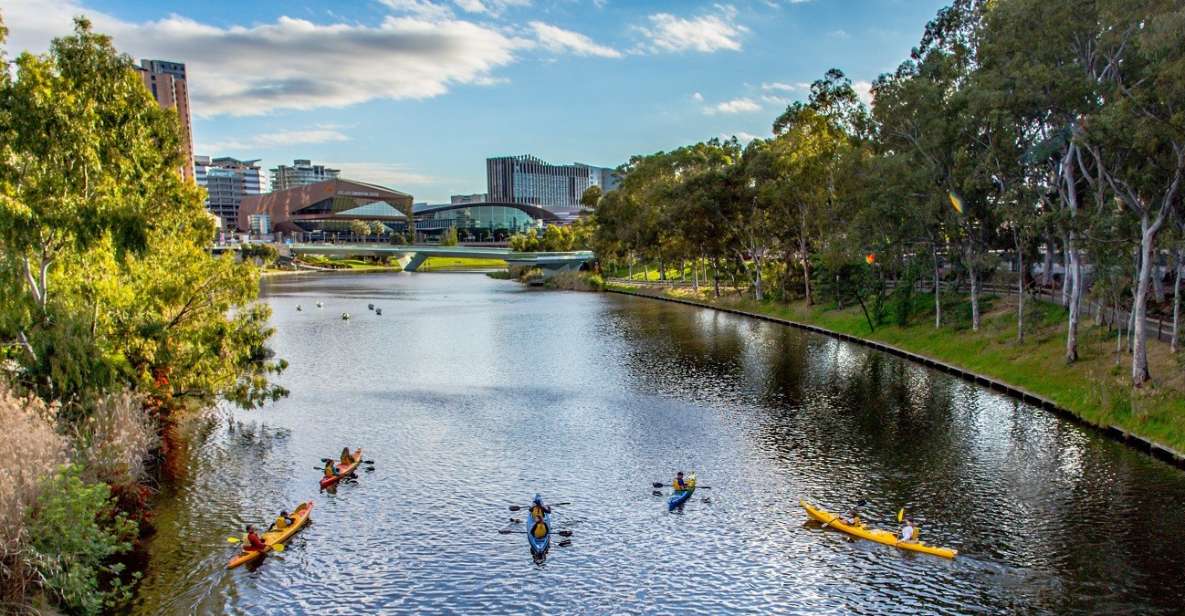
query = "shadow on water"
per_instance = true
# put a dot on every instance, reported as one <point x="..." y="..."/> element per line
<point x="469" y="393"/>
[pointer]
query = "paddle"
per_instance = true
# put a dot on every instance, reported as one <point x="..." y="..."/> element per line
<point x="663" y="485"/>
<point x="521" y="507"/>
<point x="276" y="547"/>
<point x="507" y="531"/>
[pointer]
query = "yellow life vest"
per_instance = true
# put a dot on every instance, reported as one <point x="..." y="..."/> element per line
<point x="329" y="469"/>
<point x="281" y="523"/>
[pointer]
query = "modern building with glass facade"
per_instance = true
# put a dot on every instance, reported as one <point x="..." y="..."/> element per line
<point x="529" y="180"/>
<point x="227" y="182"/>
<point x="483" y="222"/>
<point x="324" y="210"/>
<point x="300" y="173"/>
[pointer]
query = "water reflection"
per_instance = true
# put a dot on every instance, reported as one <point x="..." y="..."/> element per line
<point x="469" y="393"/>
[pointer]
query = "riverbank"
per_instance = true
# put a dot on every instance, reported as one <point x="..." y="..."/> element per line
<point x="1093" y="390"/>
<point x="460" y="264"/>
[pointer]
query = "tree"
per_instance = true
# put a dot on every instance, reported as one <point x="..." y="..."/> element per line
<point x="449" y="237"/>
<point x="377" y="228"/>
<point x="359" y="228"/>
<point x="105" y="260"/>
<point x="590" y="197"/>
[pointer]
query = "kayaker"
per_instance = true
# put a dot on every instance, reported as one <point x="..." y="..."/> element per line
<point x="909" y="533"/>
<point x="852" y="517"/>
<point x="347" y="459"/>
<point x="330" y="469"/>
<point x="283" y="521"/>
<point x="254" y="543"/>
<point x="678" y="484"/>
<point x="538" y="510"/>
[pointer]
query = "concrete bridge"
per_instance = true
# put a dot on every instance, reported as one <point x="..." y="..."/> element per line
<point x="412" y="257"/>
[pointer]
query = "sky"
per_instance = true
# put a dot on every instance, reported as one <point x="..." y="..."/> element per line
<point x="416" y="94"/>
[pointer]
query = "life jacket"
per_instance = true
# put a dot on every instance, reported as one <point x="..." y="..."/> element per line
<point x="281" y="523"/>
<point x="255" y="544"/>
<point x="540" y="527"/>
<point x="329" y="470"/>
<point x="679" y="485"/>
<point x="347" y="459"/>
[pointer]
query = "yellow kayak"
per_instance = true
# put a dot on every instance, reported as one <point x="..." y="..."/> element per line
<point x="873" y="534"/>
<point x="272" y="537"/>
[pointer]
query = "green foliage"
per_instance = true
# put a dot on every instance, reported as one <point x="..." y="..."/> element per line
<point x="264" y="252"/>
<point x="449" y="237"/>
<point x="74" y="533"/>
<point x="105" y="262"/>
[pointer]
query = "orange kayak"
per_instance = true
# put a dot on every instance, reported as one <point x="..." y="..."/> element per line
<point x="299" y="517"/>
<point x="342" y="470"/>
<point x="874" y="534"/>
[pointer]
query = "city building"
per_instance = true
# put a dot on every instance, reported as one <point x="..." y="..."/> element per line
<point x="527" y="179"/>
<point x="166" y="80"/>
<point x="481" y="221"/>
<point x="324" y="210"/>
<point x="227" y="182"/>
<point x="300" y="173"/>
<point x="474" y="198"/>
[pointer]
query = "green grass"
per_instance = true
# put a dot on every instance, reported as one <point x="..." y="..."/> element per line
<point x="1095" y="387"/>
<point x="352" y="264"/>
<point x="444" y="264"/>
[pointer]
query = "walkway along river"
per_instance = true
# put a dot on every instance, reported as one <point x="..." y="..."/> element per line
<point x="472" y="394"/>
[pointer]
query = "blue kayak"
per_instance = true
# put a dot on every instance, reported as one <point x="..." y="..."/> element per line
<point x="539" y="545"/>
<point x="681" y="496"/>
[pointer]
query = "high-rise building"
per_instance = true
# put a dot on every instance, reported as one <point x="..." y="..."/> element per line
<point x="166" y="81"/>
<point x="227" y="180"/>
<point x="473" y="198"/>
<point x="527" y="179"/>
<point x="300" y="173"/>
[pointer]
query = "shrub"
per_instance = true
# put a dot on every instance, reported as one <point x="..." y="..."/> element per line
<point x="577" y="281"/>
<point x="29" y="450"/>
<point x="73" y="533"/>
<point x="113" y="443"/>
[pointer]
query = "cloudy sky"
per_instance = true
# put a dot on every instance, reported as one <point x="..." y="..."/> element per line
<point x="415" y="94"/>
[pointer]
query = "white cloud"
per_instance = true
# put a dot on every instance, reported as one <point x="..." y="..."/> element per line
<point x="839" y="34"/>
<point x="697" y="97"/>
<point x="420" y="8"/>
<point x="776" y="100"/>
<point x="736" y="105"/>
<point x="294" y="63"/>
<point x="560" y="40"/>
<point x="741" y="136"/>
<point x="864" y="91"/>
<point x="492" y="7"/>
<point x="706" y="33"/>
<point x="391" y="175"/>
<point x="274" y="140"/>
<point x="786" y="87"/>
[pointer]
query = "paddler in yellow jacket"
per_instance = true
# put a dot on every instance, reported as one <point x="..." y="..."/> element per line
<point x="282" y="521"/>
<point x="347" y="459"/>
<point x="678" y="484"/>
<point x="330" y="469"/>
<point x="538" y="510"/>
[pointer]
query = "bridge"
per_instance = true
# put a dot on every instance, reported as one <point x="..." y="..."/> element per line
<point x="412" y="257"/>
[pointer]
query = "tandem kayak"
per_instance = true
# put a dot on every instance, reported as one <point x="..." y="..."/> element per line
<point x="680" y="496"/>
<point x="539" y="544"/>
<point x="299" y="517"/>
<point x="874" y="534"/>
<point x="342" y="470"/>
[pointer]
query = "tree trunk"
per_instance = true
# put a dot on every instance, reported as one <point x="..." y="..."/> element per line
<point x="695" y="274"/>
<point x="1047" y="264"/>
<point x="716" y="276"/>
<point x="806" y="262"/>
<point x="1020" y="295"/>
<point x="630" y="261"/>
<point x="682" y="270"/>
<point x="1067" y="259"/>
<point x="662" y="268"/>
<point x="974" y="298"/>
<point x="1174" y="341"/>
<point x="1148" y="230"/>
<point x="1073" y="276"/>
<point x="937" y="287"/>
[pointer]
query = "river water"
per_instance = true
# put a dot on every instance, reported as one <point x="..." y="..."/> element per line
<point x="472" y="394"/>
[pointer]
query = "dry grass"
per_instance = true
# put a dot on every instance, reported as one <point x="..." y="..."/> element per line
<point x="30" y="451"/>
<point x="113" y="444"/>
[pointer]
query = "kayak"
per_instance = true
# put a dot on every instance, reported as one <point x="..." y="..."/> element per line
<point x="539" y="545"/>
<point x="680" y="496"/>
<point x="299" y="517"/>
<point x="342" y="470"/>
<point x="873" y="534"/>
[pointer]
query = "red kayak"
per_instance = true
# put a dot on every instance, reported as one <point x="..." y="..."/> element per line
<point x="342" y="470"/>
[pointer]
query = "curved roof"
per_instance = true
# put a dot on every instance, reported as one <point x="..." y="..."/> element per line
<point x="533" y="211"/>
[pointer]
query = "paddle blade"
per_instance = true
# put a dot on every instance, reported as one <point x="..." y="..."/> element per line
<point x="368" y="461"/>
<point x="564" y="533"/>
<point x="565" y="543"/>
<point x="277" y="547"/>
<point x="657" y="484"/>
<point x="515" y="508"/>
<point x="657" y="493"/>
<point x="558" y="504"/>
<point x="233" y="540"/>
<point x="901" y="514"/>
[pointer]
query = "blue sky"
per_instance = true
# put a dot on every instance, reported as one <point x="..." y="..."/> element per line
<point x="415" y="94"/>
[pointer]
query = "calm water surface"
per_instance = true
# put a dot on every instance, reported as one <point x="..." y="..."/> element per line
<point x="472" y="394"/>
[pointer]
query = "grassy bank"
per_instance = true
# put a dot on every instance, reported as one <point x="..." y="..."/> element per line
<point x="444" y="264"/>
<point x="1094" y="388"/>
